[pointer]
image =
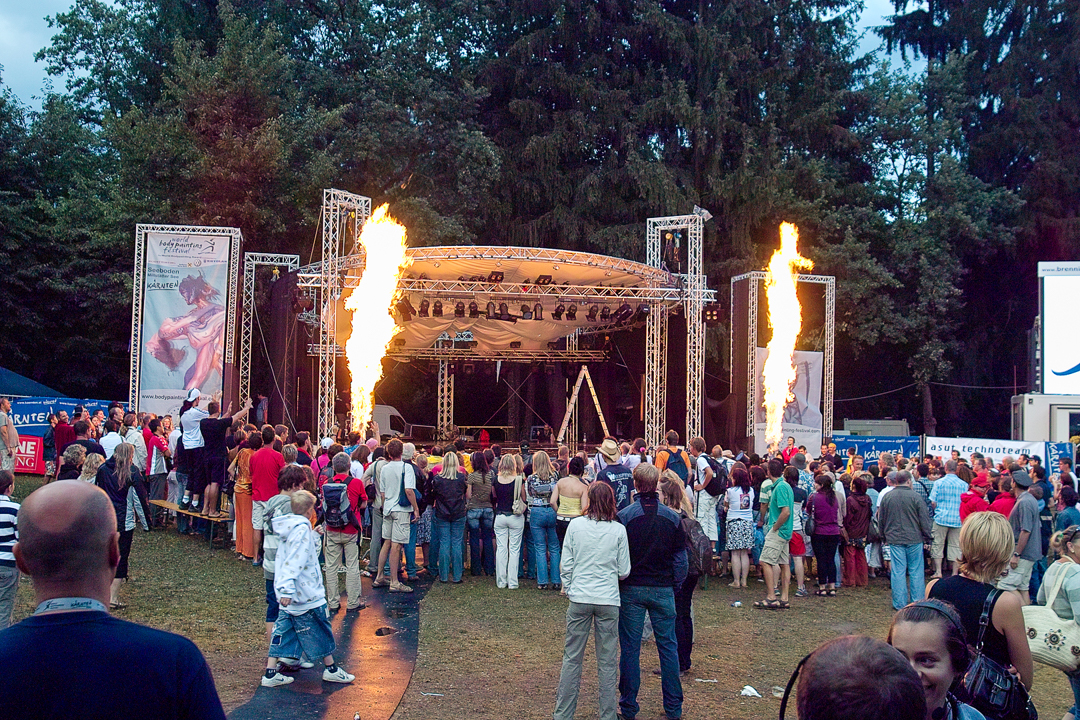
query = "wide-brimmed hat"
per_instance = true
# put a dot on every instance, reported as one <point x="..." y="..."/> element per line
<point x="798" y="460"/>
<point x="609" y="450"/>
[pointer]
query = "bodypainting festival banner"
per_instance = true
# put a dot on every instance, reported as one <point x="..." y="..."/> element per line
<point x="31" y="418"/>
<point x="871" y="447"/>
<point x="183" y="327"/>
<point x="802" y="416"/>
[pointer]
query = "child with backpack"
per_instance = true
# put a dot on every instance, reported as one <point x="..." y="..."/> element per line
<point x="343" y="498"/>
<point x="303" y="627"/>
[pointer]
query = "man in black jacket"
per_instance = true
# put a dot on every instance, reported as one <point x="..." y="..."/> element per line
<point x="658" y="565"/>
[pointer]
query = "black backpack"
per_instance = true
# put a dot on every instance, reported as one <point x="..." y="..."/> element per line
<point x="719" y="482"/>
<point x="677" y="465"/>
<point x="699" y="548"/>
<point x="337" y="510"/>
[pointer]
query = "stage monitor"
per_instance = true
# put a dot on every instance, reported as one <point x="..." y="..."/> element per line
<point x="1059" y="293"/>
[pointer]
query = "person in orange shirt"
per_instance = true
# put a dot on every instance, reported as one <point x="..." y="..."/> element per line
<point x="672" y="458"/>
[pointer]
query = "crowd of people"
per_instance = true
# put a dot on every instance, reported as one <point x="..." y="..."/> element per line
<point x="624" y="532"/>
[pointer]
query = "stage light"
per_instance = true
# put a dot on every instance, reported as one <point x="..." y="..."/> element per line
<point x="425" y="308"/>
<point x="469" y="368"/>
<point x="559" y="310"/>
<point x="549" y="369"/>
<point x="504" y="312"/>
<point x="399" y="342"/>
<point x="571" y="312"/>
<point x="474" y="310"/>
<point x="711" y="314"/>
<point x="643" y="310"/>
<point x="624" y="313"/>
<point x="538" y="312"/>
<point x="543" y="280"/>
<point x="459" y="309"/>
<point x="591" y="314"/>
<point x="433" y="368"/>
<point x="436" y="310"/>
<point x="605" y="313"/>
<point x="515" y="345"/>
<point x="491" y="311"/>
<point x="405" y="308"/>
<point x="526" y="313"/>
<point x="495" y="277"/>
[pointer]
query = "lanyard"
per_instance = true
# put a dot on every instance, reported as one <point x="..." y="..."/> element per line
<point x="69" y="603"/>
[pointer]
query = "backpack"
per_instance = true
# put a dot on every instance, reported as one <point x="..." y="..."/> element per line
<point x="719" y="482"/>
<point x="337" y="510"/>
<point x="699" y="548"/>
<point x="677" y="465"/>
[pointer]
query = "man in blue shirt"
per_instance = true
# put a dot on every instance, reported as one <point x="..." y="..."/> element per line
<point x="615" y="474"/>
<point x="945" y="504"/>
<point x="73" y="659"/>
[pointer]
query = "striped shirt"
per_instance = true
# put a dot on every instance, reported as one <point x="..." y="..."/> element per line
<point x="9" y="533"/>
<point x="946" y="494"/>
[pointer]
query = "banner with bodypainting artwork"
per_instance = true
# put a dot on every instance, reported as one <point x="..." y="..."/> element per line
<point x="185" y="288"/>
<point x="802" y="415"/>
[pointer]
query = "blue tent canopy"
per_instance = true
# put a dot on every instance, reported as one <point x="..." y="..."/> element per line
<point x="14" y="384"/>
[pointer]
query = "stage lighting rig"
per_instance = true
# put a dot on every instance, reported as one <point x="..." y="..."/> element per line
<point x="623" y="314"/>
<point x="491" y="311"/>
<point x="425" y="308"/>
<point x="474" y="310"/>
<point x="591" y="314"/>
<point x="526" y="312"/>
<point x="543" y="280"/>
<point x="436" y="309"/>
<point x="605" y="314"/>
<point x="405" y="308"/>
<point x="538" y="312"/>
<point x="495" y="277"/>
<point x="459" y="309"/>
<point x="571" y="312"/>
<point x="711" y="314"/>
<point x="559" y="310"/>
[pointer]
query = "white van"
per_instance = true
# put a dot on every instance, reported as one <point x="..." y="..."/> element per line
<point x="393" y="424"/>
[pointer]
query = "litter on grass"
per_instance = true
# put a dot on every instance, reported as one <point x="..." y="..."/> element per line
<point x="700" y="680"/>
<point x="750" y="692"/>
<point x="432" y="694"/>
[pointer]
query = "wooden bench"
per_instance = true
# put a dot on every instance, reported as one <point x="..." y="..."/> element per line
<point x="214" y="521"/>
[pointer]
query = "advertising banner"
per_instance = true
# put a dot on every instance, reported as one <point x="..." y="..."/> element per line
<point x="1059" y="285"/>
<point x="183" y="322"/>
<point x="870" y="447"/>
<point x="995" y="449"/>
<point x="31" y="418"/>
<point x="802" y="416"/>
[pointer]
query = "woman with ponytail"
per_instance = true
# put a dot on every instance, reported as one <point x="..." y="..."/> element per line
<point x="117" y="477"/>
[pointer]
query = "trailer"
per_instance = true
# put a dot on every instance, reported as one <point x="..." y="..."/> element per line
<point x="1054" y="418"/>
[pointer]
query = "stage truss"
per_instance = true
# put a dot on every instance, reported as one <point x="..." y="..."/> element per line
<point x="343" y="262"/>
<point x="755" y="281"/>
<point x="251" y="262"/>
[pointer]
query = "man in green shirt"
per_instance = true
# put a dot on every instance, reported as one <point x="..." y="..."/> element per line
<point x="775" y="556"/>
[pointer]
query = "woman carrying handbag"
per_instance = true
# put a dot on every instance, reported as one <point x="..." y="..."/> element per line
<point x="1059" y="594"/>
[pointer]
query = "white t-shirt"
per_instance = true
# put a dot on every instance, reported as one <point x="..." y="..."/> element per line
<point x="109" y="442"/>
<point x="390" y="482"/>
<point x="192" y="434"/>
<point x="173" y="437"/>
<point x="740" y="503"/>
<point x="701" y="464"/>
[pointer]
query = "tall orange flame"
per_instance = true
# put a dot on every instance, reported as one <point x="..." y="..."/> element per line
<point x="785" y="319"/>
<point x="373" y="327"/>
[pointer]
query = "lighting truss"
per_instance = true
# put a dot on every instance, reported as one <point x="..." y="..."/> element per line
<point x="252" y="261"/>
<point x="753" y="400"/>
<point x="445" y="424"/>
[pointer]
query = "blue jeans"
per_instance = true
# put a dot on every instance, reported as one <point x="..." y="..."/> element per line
<point x="307" y="634"/>
<point x="907" y="567"/>
<point x="659" y="602"/>
<point x="528" y="550"/>
<point x="545" y="543"/>
<point x="1074" y="681"/>
<point x="431" y="557"/>
<point x="481" y="523"/>
<point x="449" y="534"/>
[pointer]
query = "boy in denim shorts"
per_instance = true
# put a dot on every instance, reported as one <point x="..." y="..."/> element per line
<point x="303" y="628"/>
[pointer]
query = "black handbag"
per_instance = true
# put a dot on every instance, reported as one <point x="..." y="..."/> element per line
<point x="990" y="688"/>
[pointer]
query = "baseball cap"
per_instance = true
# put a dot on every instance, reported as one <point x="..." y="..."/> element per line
<point x="1021" y="478"/>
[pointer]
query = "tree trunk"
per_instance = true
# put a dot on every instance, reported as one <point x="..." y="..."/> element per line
<point x="929" y="422"/>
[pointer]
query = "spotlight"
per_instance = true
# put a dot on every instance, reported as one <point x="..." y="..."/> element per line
<point x="495" y="277"/>
<point x="459" y="309"/>
<point x="624" y="313"/>
<point x="515" y="345"/>
<point x="469" y="368"/>
<point x="711" y="314"/>
<point x="436" y="310"/>
<point x="591" y="314"/>
<point x="643" y="310"/>
<point x="399" y="342"/>
<point x="549" y="369"/>
<point x="405" y="308"/>
<point x="491" y="311"/>
<point x="425" y="308"/>
<point x="605" y="314"/>
<point x="543" y="280"/>
<point x="504" y="312"/>
<point x="538" y="312"/>
<point x="526" y="313"/>
<point x="474" y="310"/>
<point x="571" y="312"/>
<point x="559" y="310"/>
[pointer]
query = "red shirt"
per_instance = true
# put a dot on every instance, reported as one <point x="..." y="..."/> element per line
<point x="357" y="498"/>
<point x="266" y="463"/>
<point x="971" y="502"/>
<point x="63" y="435"/>
<point x="153" y="441"/>
<point x="1003" y="503"/>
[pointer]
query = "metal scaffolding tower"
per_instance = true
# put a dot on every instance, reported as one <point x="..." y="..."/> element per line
<point x="343" y="214"/>
<point x="252" y="261"/>
<point x="694" y="296"/>
<point x="445" y="423"/>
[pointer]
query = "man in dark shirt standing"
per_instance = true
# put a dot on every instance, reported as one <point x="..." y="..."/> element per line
<point x="82" y="437"/>
<point x="215" y="451"/>
<point x="69" y="545"/>
<point x="658" y="565"/>
<point x="615" y="474"/>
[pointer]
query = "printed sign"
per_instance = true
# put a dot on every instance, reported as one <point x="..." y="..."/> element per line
<point x="185" y="315"/>
<point x="871" y="447"/>
<point x="1060" y="283"/>
<point x="993" y="449"/>
<point x="31" y="418"/>
<point x="28" y="457"/>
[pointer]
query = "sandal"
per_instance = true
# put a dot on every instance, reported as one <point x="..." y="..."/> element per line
<point x="117" y="605"/>
<point x="380" y="583"/>
<point x="768" y="604"/>
<point x="784" y="605"/>
<point x="821" y="593"/>
<point x="830" y="593"/>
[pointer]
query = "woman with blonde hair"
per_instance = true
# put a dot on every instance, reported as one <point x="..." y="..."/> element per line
<point x="986" y="547"/>
<point x="117" y="477"/>
<point x="545" y="540"/>
<point x="673" y="493"/>
<point x="509" y="526"/>
<point x="73" y="458"/>
<point x="90" y="467"/>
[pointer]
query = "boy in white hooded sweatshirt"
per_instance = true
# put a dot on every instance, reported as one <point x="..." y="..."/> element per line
<point x="298" y="583"/>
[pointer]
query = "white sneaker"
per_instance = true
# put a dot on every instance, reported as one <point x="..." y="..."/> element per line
<point x="338" y="677"/>
<point x="277" y="679"/>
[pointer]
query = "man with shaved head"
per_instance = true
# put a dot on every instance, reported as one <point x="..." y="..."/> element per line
<point x="73" y="658"/>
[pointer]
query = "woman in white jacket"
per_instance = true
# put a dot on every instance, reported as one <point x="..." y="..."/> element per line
<point x="595" y="557"/>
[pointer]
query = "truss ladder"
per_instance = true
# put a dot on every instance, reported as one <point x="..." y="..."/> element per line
<point x="572" y="405"/>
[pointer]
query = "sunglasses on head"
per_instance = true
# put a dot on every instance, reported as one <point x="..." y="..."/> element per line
<point x="1069" y="533"/>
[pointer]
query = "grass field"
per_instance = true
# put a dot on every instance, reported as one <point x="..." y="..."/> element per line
<point x="492" y="653"/>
